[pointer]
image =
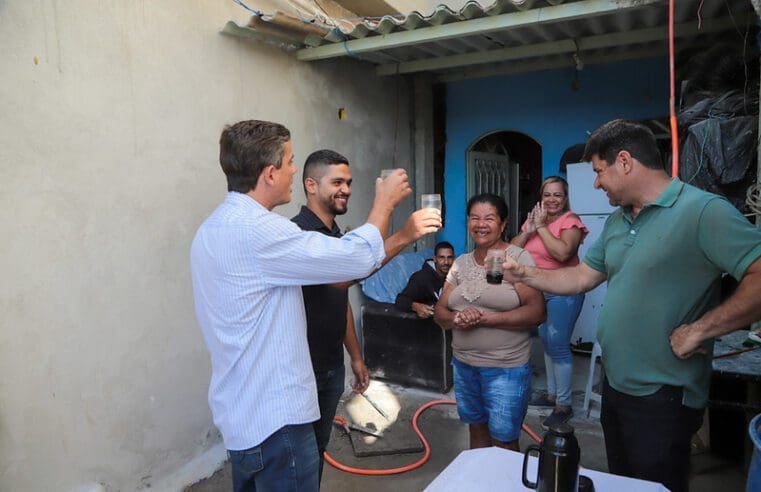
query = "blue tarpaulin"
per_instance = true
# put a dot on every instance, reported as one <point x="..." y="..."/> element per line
<point x="385" y="284"/>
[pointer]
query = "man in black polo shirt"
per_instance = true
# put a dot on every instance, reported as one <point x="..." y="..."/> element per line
<point x="330" y="321"/>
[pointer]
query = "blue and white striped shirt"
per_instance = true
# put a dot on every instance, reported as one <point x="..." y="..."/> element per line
<point x="248" y="266"/>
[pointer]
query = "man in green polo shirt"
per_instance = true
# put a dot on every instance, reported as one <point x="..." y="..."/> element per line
<point x="663" y="253"/>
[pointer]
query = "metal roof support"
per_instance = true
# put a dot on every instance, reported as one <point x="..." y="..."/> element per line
<point x="484" y="25"/>
<point x="554" y="47"/>
<point x="544" y="64"/>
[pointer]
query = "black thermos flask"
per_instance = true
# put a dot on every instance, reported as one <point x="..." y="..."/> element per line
<point x="559" y="456"/>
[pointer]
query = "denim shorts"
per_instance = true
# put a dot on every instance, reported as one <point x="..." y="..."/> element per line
<point x="497" y="396"/>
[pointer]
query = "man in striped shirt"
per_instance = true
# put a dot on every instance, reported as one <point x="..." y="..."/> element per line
<point x="248" y="265"/>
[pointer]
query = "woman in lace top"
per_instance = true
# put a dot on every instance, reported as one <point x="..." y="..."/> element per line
<point x="552" y="234"/>
<point x="491" y="326"/>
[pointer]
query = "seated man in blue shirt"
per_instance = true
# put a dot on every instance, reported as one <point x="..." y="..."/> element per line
<point x="424" y="287"/>
<point x="248" y="265"/>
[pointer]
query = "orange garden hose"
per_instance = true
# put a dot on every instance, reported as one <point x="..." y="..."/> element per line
<point x="672" y="98"/>
<point x="418" y="463"/>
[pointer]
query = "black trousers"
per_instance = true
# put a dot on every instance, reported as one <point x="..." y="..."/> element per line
<point x="648" y="437"/>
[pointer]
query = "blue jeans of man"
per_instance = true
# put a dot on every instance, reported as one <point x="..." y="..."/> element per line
<point x="555" y="332"/>
<point x="285" y="461"/>
<point x="330" y="387"/>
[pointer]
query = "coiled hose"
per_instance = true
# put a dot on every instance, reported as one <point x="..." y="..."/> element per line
<point x="418" y="463"/>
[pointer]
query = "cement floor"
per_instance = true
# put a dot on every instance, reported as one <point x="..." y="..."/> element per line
<point x="448" y="437"/>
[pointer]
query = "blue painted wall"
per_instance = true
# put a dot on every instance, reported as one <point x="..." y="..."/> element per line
<point x="543" y="106"/>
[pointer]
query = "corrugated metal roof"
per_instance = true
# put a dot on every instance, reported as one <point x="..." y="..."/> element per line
<point x="510" y="35"/>
<point x="415" y="20"/>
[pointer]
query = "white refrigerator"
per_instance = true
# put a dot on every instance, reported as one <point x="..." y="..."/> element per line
<point x="593" y="207"/>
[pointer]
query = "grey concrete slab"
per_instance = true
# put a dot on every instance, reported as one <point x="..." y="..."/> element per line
<point x="448" y="437"/>
<point x="394" y="423"/>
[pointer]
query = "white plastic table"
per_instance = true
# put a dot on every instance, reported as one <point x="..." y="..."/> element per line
<point x="497" y="469"/>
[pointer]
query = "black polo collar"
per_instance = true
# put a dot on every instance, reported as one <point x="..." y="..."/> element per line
<point x="308" y="221"/>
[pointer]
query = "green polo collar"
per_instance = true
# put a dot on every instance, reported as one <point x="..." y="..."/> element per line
<point x="668" y="197"/>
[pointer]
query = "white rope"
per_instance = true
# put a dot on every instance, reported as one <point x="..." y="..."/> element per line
<point x="753" y="198"/>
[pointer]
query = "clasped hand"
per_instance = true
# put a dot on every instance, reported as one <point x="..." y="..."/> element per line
<point x="468" y="318"/>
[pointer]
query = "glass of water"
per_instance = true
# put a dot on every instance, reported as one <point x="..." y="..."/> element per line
<point x="385" y="173"/>
<point x="432" y="200"/>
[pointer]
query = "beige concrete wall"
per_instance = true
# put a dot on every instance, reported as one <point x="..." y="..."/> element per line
<point x="111" y="114"/>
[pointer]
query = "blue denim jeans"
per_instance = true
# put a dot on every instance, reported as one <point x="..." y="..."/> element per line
<point x="330" y="387"/>
<point x="285" y="461"/>
<point x="562" y="312"/>
<point x="497" y="396"/>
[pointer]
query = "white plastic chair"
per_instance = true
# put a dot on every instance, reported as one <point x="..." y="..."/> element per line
<point x="589" y="395"/>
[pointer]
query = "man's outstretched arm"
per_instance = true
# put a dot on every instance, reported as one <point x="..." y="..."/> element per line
<point x="420" y="223"/>
<point x="563" y="281"/>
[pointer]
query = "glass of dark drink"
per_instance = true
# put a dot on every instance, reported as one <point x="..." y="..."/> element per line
<point x="493" y="265"/>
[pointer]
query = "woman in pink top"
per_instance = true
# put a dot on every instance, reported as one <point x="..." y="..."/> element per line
<point x="552" y="235"/>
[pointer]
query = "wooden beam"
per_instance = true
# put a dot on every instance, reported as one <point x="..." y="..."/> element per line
<point x="484" y="25"/>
